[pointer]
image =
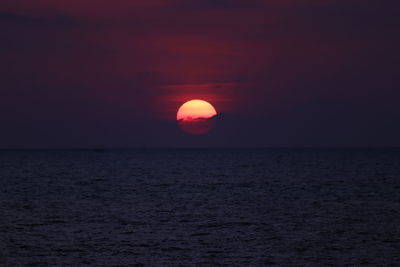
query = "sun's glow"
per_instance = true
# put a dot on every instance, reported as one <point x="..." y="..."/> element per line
<point x="195" y="110"/>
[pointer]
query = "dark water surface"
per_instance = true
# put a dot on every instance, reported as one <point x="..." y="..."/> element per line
<point x="200" y="207"/>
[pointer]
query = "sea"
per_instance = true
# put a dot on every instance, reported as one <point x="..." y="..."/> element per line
<point x="200" y="207"/>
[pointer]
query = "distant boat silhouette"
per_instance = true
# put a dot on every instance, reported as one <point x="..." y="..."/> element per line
<point x="98" y="150"/>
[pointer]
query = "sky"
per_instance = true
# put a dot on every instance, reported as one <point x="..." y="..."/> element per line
<point x="280" y="73"/>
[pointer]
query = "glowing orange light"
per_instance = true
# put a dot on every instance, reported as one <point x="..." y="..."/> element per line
<point x="194" y="116"/>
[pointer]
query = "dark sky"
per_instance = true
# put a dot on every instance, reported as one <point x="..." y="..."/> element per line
<point x="94" y="73"/>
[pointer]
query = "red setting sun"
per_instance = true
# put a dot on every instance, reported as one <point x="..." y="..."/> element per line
<point x="195" y="116"/>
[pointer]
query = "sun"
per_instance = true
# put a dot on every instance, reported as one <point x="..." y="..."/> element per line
<point x="195" y="116"/>
<point x="195" y="109"/>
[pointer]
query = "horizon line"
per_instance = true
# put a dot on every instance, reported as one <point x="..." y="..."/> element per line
<point x="210" y="147"/>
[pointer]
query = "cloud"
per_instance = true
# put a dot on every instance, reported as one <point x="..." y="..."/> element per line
<point x="353" y="19"/>
<point x="30" y="20"/>
<point x="214" y="4"/>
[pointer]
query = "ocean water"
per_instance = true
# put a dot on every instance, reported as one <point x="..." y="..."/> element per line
<point x="210" y="207"/>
